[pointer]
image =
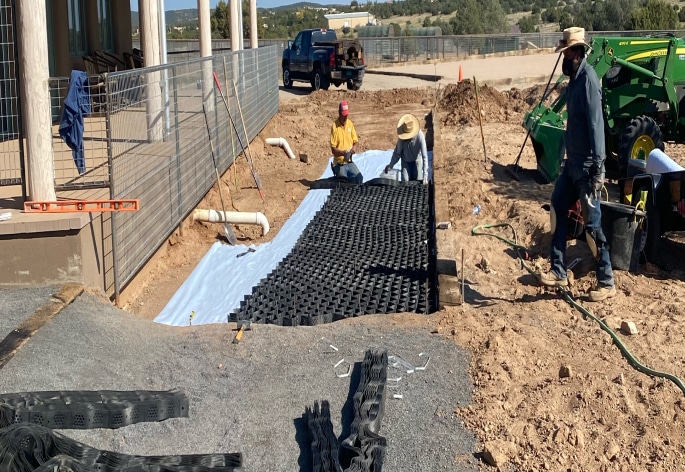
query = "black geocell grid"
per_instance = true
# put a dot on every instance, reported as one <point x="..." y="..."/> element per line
<point x="368" y="250"/>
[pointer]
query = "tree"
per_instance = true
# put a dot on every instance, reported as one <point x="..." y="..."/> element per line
<point x="655" y="15"/>
<point x="220" y="20"/>
<point x="527" y="24"/>
<point x="354" y="4"/>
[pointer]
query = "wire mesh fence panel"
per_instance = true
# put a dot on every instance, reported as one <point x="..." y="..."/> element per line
<point x="161" y="123"/>
<point x="89" y="168"/>
<point x="11" y="146"/>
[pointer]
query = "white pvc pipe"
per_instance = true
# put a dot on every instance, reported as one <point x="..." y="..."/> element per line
<point x="282" y="143"/>
<point x="240" y="217"/>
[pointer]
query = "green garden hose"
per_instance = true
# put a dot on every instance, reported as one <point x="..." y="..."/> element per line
<point x="477" y="231"/>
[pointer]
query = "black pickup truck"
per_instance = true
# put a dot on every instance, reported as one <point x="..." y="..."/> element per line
<point x="317" y="56"/>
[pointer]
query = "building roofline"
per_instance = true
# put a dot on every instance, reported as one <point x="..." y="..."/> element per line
<point x="338" y="16"/>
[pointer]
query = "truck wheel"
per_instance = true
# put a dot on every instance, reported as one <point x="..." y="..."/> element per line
<point x="319" y="81"/>
<point x="637" y="140"/>
<point x="354" y="84"/>
<point x="287" y="80"/>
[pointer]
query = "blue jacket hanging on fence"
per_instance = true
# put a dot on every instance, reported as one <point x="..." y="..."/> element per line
<point x="76" y="108"/>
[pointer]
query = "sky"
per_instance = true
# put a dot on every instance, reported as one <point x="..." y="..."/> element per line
<point x="183" y="4"/>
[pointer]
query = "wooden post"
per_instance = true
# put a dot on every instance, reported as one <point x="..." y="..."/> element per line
<point x="254" y="40"/>
<point x="37" y="119"/>
<point x="149" y="31"/>
<point x="205" y="25"/>
<point x="480" y="119"/>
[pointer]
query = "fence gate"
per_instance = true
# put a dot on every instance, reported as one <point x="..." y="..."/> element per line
<point x="11" y="146"/>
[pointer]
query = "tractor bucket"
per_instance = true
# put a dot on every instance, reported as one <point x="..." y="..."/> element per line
<point x="546" y="129"/>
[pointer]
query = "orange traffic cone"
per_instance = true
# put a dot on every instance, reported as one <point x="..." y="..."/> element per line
<point x="461" y="76"/>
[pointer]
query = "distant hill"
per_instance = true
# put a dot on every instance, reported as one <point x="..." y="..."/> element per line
<point x="179" y="17"/>
<point x="173" y="17"/>
<point x="298" y="5"/>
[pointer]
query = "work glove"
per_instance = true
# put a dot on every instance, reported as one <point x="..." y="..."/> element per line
<point x="348" y="156"/>
<point x="597" y="183"/>
<point x="596" y="179"/>
<point x="387" y="169"/>
<point x="425" y="180"/>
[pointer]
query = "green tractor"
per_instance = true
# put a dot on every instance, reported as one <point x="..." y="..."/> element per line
<point x="643" y="83"/>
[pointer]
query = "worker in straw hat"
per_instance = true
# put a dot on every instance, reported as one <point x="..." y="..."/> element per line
<point x="582" y="175"/>
<point x="410" y="149"/>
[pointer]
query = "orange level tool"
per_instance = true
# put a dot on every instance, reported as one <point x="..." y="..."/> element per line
<point x="67" y="206"/>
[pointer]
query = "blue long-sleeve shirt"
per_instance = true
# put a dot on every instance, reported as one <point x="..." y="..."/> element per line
<point x="585" y="145"/>
<point x="76" y="108"/>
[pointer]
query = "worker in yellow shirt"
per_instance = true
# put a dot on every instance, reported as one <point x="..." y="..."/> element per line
<point x="344" y="145"/>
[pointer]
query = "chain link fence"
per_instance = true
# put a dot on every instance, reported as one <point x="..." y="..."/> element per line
<point x="393" y="50"/>
<point x="158" y="144"/>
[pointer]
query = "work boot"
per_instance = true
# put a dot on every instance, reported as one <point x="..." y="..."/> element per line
<point x="550" y="279"/>
<point x="602" y="293"/>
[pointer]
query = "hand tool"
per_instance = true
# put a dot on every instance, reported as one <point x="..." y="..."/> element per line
<point x="243" y="325"/>
<point x="247" y="153"/>
<point x="513" y="169"/>
<point x="230" y="236"/>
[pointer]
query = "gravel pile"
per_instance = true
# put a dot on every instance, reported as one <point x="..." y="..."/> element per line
<point x="251" y="397"/>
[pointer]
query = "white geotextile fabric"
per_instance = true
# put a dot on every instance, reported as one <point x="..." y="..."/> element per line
<point x="221" y="280"/>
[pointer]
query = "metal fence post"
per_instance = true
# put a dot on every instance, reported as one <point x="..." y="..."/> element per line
<point x="177" y="132"/>
<point x="112" y="194"/>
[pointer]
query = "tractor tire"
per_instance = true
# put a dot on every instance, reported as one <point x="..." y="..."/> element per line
<point x="319" y="81"/>
<point x="653" y="222"/>
<point x="637" y="141"/>
<point x="287" y="80"/>
<point x="354" y="84"/>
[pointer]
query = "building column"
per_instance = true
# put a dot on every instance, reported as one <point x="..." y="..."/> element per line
<point x="234" y="16"/>
<point x="235" y="21"/>
<point x="150" y="42"/>
<point x="37" y="119"/>
<point x="205" y="25"/>
<point x="254" y="40"/>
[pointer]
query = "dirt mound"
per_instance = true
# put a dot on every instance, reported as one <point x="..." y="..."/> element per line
<point x="460" y="108"/>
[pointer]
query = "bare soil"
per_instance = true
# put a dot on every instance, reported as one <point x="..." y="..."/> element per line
<point x="552" y="390"/>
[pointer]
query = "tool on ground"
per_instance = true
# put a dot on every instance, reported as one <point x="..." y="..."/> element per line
<point x="244" y="325"/>
<point x="249" y="152"/>
<point x="513" y="169"/>
<point x="248" y="155"/>
<point x="246" y="252"/>
<point x="480" y="118"/>
<point x="230" y="236"/>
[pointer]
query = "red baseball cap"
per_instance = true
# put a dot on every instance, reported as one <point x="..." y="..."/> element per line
<point x="344" y="109"/>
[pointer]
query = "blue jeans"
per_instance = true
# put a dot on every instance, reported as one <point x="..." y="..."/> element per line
<point x="569" y="187"/>
<point x="412" y="170"/>
<point x="349" y="171"/>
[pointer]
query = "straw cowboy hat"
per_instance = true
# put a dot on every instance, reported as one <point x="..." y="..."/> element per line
<point x="573" y="36"/>
<point x="408" y="126"/>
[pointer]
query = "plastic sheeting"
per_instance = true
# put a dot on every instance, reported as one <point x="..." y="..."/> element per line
<point x="222" y="279"/>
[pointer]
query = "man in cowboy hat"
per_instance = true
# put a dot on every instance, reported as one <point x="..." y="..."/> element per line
<point x="344" y="145"/>
<point x="410" y="149"/>
<point x="582" y="175"/>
